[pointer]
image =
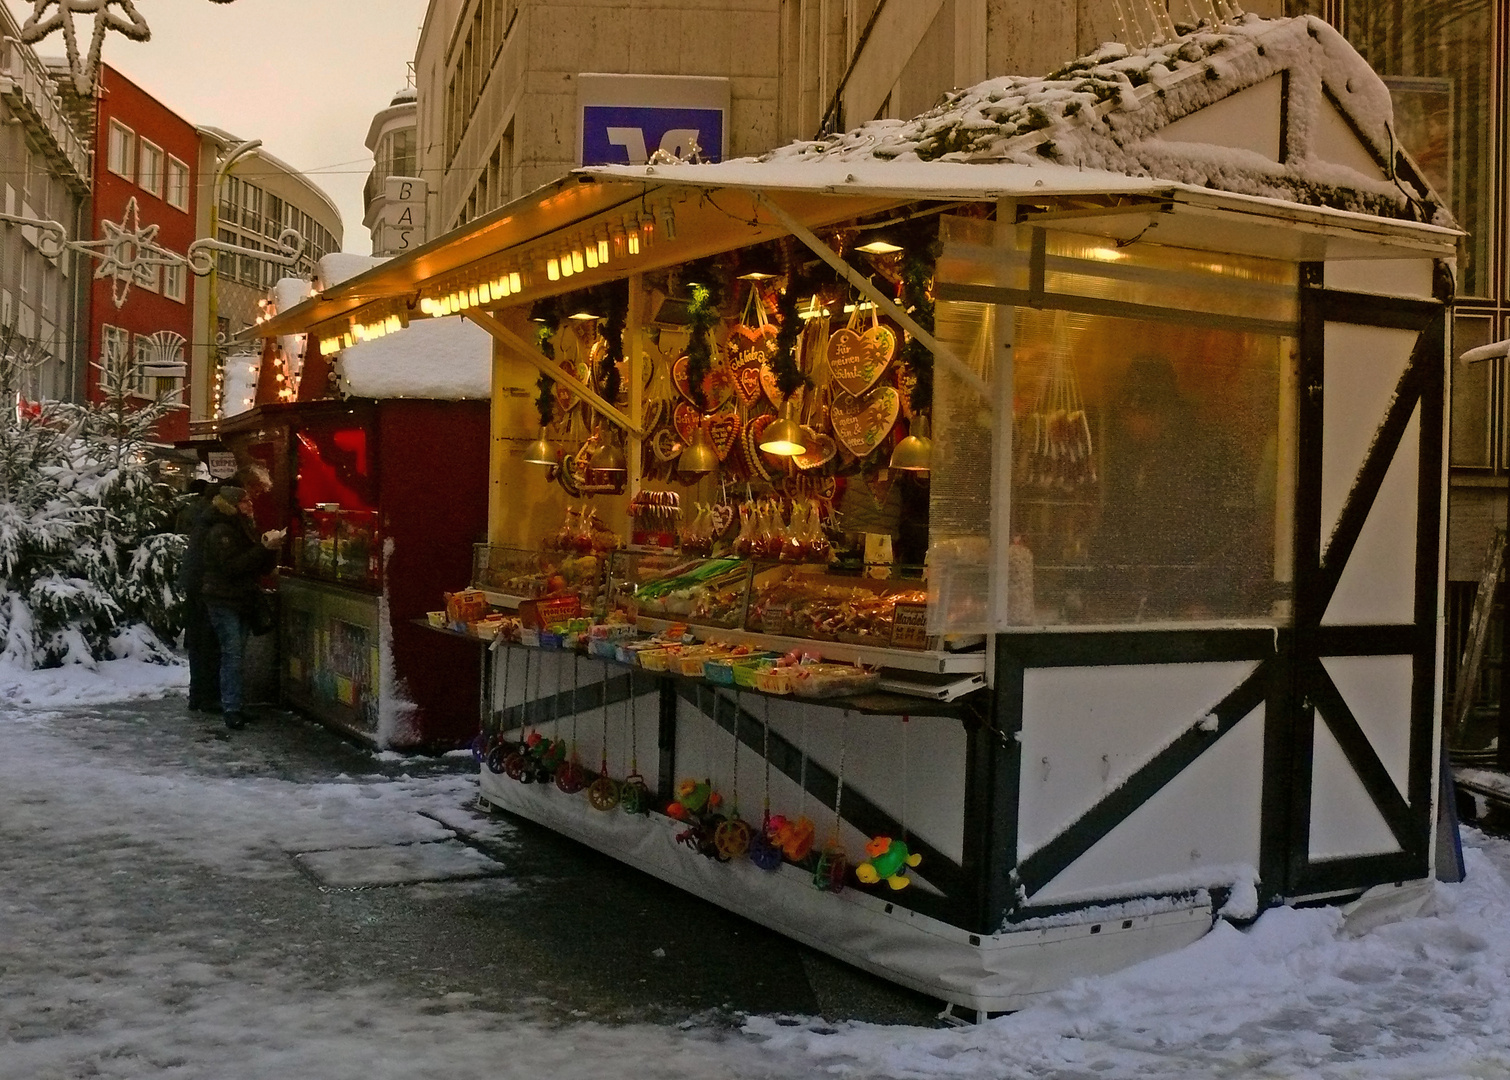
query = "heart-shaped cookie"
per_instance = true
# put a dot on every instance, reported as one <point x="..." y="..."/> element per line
<point x="749" y="350"/>
<point x="758" y="464"/>
<point x="862" y="423"/>
<point x="820" y="450"/>
<point x="718" y="387"/>
<point x="723" y="429"/>
<point x="686" y="420"/>
<point x="566" y="397"/>
<point x="773" y="394"/>
<point x="858" y="360"/>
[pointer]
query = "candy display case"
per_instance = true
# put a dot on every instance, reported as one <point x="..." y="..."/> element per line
<point x="704" y="592"/>
<point x="807" y="602"/>
<point x="339" y="545"/>
<point x="512" y="575"/>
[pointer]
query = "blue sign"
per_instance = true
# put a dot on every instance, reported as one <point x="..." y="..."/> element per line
<point x="628" y="135"/>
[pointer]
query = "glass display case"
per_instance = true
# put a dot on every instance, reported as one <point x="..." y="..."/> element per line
<point x="511" y="575"/>
<point x="777" y="599"/>
<point x="338" y="545"/>
<point x="702" y="592"/>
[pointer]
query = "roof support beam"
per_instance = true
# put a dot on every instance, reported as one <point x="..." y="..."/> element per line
<point x="527" y="352"/>
<point x="941" y="352"/>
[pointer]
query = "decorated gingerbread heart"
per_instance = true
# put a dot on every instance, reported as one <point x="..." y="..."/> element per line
<point x="566" y="397"/>
<point x="723" y="430"/>
<point x="686" y="420"/>
<point x="862" y="423"/>
<point x="858" y="360"/>
<point x="749" y="350"/>
<point x="718" y="386"/>
<point x="820" y="450"/>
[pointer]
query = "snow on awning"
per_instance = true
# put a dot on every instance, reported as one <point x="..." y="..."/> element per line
<point x="439" y="359"/>
<point x="1494" y="351"/>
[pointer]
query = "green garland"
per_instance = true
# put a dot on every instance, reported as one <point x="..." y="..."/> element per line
<point x="789" y="377"/>
<point x="545" y="400"/>
<point x="917" y="299"/>
<point x="615" y="302"/>
<point x="702" y="315"/>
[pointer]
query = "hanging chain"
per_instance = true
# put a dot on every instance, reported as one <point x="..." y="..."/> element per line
<point x="839" y="790"/>
<point x="765" y="752"/>
<point x="904" y="778"/>
<point x="634" y="741"/>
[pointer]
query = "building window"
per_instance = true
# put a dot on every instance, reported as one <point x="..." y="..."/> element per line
<point x="177" y="193"/>
<point x="115" y="347"/>
<point x="148" y="276"/>
<point x="225" y="260"/>
<point x="121" y="156"/>
<point x="150" y="168"/>
<point x="273" y="226"/>
<point x="176" y="282"/>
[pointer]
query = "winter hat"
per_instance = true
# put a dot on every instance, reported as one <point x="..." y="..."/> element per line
<point x="232" y="494"/>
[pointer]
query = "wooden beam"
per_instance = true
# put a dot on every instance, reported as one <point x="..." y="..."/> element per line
<point x="521" y="348"/>
<point x="940" y="351"/>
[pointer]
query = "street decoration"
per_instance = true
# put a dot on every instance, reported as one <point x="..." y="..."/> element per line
<point x="129" y="247"/>
<point x="50" y="16"/>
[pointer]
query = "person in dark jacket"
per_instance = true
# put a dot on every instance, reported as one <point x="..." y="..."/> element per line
<point x="194" y="518"/>
<point x="235" y="557"/>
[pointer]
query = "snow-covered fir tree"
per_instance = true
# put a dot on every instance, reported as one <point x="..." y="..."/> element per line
<point x="87" y="561"/>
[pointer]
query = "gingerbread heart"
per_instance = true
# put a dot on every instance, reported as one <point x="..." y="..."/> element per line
<point x="858" y="360"/>
<point x="757" y="463"/>
<point x="566" y="397"/>
<point x="718" y="386"/>
<point x="686" y="420"/>
<point x="723" y="429"/>
<point x="749" y="350"/>
<point x="862" y="423"/>
<point x="820" y="450"/>
<point x="773" y="394"/>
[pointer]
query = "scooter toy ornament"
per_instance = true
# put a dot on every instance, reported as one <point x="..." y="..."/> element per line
<point x="794" y="838"/>
<point x="692" y="798"/>
<point x="889" y="861"/>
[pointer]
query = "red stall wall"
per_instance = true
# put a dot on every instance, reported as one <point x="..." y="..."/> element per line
<point x="433" y="492"/>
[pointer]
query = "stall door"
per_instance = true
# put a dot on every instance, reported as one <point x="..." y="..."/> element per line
<point x="1349" y="773"/>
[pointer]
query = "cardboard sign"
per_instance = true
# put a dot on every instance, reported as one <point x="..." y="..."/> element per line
<point x="548" y="611"/>
<point x="909" y="626"/>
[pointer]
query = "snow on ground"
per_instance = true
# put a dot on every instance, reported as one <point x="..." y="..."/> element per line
<point x="112" y="680"/>
<point x="90" y="984"/>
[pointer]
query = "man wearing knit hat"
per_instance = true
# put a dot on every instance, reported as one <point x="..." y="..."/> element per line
<point x="235" y="557"/>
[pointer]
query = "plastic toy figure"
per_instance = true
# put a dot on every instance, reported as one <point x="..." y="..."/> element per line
<point x="889" y="861"/>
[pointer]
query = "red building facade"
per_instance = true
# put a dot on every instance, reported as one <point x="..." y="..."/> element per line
<point x="146" y="152"/>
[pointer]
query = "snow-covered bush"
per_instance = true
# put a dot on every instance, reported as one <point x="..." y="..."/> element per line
<point x="87" y="564"/>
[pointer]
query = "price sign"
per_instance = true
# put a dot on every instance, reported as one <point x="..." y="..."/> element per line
<point x="909" y="627"/>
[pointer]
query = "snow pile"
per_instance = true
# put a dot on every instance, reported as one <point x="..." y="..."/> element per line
<point x="112" y="680"/>
<point x="1101" y="111"/>
<point x="238" y="382"/>
<point x="446" y="359"/>
<point x="338" y="266"/>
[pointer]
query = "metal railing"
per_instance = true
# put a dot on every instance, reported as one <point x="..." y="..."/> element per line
<point x="25" y="84"/>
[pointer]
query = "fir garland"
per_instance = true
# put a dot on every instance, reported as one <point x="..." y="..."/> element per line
<point x="789" y="377"/>
<point x="545" y="400"/>
<point x="616" y="303"/>
<point x="702" y="315"/>
<point x="917" y="299"/>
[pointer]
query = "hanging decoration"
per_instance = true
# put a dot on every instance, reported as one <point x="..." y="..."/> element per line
<point x="702" y="315"/>
<point x="917" y="300"/>
<point x="859" y="359"/>
<point x="545" y="399"/>
<point x="785" y="371"/>
<point x="889" y="861"/>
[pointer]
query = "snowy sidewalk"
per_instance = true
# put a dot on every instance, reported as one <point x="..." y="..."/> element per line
<point x="166" y="910"/>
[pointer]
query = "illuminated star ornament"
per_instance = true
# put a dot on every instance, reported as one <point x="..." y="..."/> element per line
<point x="126" y="247"/>
<point x="121" y="16"/>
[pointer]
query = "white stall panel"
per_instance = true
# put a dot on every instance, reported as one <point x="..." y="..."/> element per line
<point x="914" y="773"/>
<point x="1383" y="277"/>
<point x="1086" y="729"/>
<point x="1344" y="820"/>
<point x="1202" y="828"/>
<point x="1363" y="367"/>
<point x="1378" y="584"/>
<point x="1377" y="690"/>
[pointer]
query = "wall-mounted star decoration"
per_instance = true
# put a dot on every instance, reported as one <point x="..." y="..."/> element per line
<point x="127" y="246"/>
<point x="50" y="16"/>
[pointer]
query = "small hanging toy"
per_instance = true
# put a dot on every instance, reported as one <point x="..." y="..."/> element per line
<point x="832" y="868"/>
<point x="732" y="836"/>
<point x="794" y="839"/>
<point x="889" y="861"/>
<point x="604" y="792"/>
<point x="634" y="792"/>
<point x="692" y="797"/>
<point x="572" y="777"/>
<point x="763" y="851"/>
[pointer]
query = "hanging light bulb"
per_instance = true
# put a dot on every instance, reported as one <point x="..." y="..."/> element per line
<point x="472" y="298"/>
<point x="632" y="234"/>
<point x="784" y="438"/>
<point x="590" y="250"/>
<point x="647" y="230"/>
<point x="485" y="292"/>
<point x="603" y="246"/>
<point x="617" y="241"/>
<point x="553" y="269"/>
<point x="540" y="452"/>
<point x="516" y="281"/>
<point x="914" y="453"/>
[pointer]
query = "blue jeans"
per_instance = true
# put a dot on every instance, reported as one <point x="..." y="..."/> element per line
<point x="231" y="630"/>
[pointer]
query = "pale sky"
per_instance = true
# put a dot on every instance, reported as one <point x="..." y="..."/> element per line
<point x="304" y="76"/>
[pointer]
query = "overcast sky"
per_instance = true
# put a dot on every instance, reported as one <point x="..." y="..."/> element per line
<point x="304" y="76"/>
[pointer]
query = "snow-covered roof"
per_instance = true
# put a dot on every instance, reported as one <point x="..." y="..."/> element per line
<point x="290" y="292"/>
<point x="1274" y="108"/>
<point x="338" y="266"/>
<point x="446" y="359"/>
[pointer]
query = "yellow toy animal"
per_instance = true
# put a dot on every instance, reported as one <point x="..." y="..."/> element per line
<point x="888" y="862"/>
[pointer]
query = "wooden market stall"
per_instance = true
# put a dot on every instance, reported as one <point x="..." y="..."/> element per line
<point x="1165" y="335"/>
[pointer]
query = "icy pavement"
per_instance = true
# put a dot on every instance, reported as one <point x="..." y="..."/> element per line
<point x="155" y="922"/>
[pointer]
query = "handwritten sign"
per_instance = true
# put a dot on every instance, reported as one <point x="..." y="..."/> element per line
<point x="909" y="627"/>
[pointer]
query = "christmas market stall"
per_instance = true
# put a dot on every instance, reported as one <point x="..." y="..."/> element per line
<point x="378" y="454"/>
<point x="987" y="547"/>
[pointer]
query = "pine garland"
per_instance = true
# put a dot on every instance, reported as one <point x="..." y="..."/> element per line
<point x="545" y="399"/>
<point x="616" y="304"/>
<point x="789" y="377"/>
<point x="917" y="299"/>
<point x="702" y="316"/>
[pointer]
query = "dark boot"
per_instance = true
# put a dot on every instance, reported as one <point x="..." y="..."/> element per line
<point x="235" y="720"/>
